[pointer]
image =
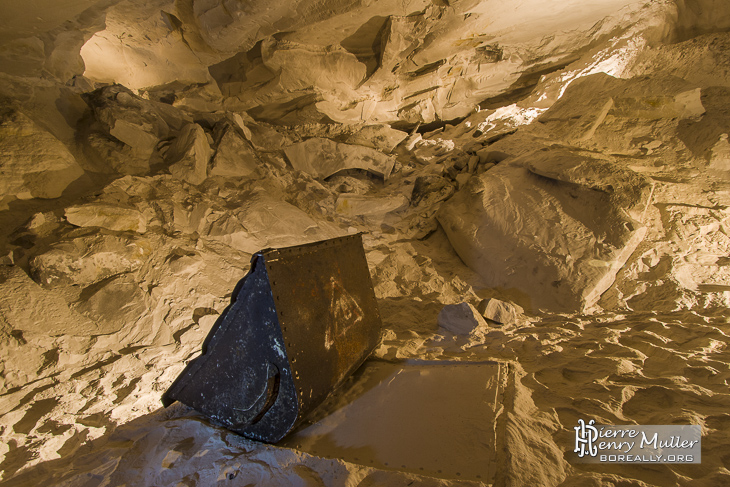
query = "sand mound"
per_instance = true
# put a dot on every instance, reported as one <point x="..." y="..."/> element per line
<point x="593" y="215"/>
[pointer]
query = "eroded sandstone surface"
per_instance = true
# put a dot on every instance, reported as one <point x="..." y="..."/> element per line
<point x="543" y="188"/>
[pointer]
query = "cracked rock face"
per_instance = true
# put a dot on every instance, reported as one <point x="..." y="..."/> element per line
<point x="33" y="163"/>
<point x="558" y="234"/>
<point x="542" y="189"/>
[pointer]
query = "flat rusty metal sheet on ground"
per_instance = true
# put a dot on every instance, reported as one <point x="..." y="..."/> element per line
<point x="430" y="418"/>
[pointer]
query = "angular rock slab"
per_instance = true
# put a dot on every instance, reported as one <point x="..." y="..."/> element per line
<point x="33" y="163"/>
<point x="276" y="223"/>
<point x="189" y="155"/>
<point x="380" y="137"/>
<point x="234" y="156"/>
<point x="553" y="225"/>
<point x="322" y="158"/>
<point x="428" y="418"/>
<point x="111" y="217"/>
<point x="300" y="322"/>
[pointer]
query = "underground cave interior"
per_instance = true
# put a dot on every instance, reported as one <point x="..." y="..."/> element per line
<point x="542" y="190"/>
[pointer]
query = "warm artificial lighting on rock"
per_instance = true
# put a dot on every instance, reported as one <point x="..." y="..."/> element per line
<point x="542" y="189"/>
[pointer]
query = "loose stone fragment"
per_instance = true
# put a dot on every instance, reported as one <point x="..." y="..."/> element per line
<point x="461" y="319"/>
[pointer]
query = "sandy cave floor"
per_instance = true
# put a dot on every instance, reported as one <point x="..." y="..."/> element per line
<point x="122" y="277"/>
<point x="99" y="421"/>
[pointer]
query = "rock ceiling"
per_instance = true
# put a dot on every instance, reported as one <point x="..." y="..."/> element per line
<point x="541" y="184"/>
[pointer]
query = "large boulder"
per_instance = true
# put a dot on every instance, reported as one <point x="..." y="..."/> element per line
<point x="33" y="163"/>
<point x="554" y="225"/>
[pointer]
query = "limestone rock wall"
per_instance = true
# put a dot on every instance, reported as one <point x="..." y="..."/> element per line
<point x="539" y="184"/>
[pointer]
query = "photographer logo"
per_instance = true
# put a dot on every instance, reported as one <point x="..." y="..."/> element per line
<point x="637" y="444"/>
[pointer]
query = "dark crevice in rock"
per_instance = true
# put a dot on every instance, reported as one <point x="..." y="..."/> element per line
<point x="525" y="84"/>
<point x="367" y="43"/>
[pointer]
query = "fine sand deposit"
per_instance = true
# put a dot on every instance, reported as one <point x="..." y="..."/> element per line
<point x="558" y="250"/>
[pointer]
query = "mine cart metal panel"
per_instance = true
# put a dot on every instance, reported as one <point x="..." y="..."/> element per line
<point x="299" y="323"/>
